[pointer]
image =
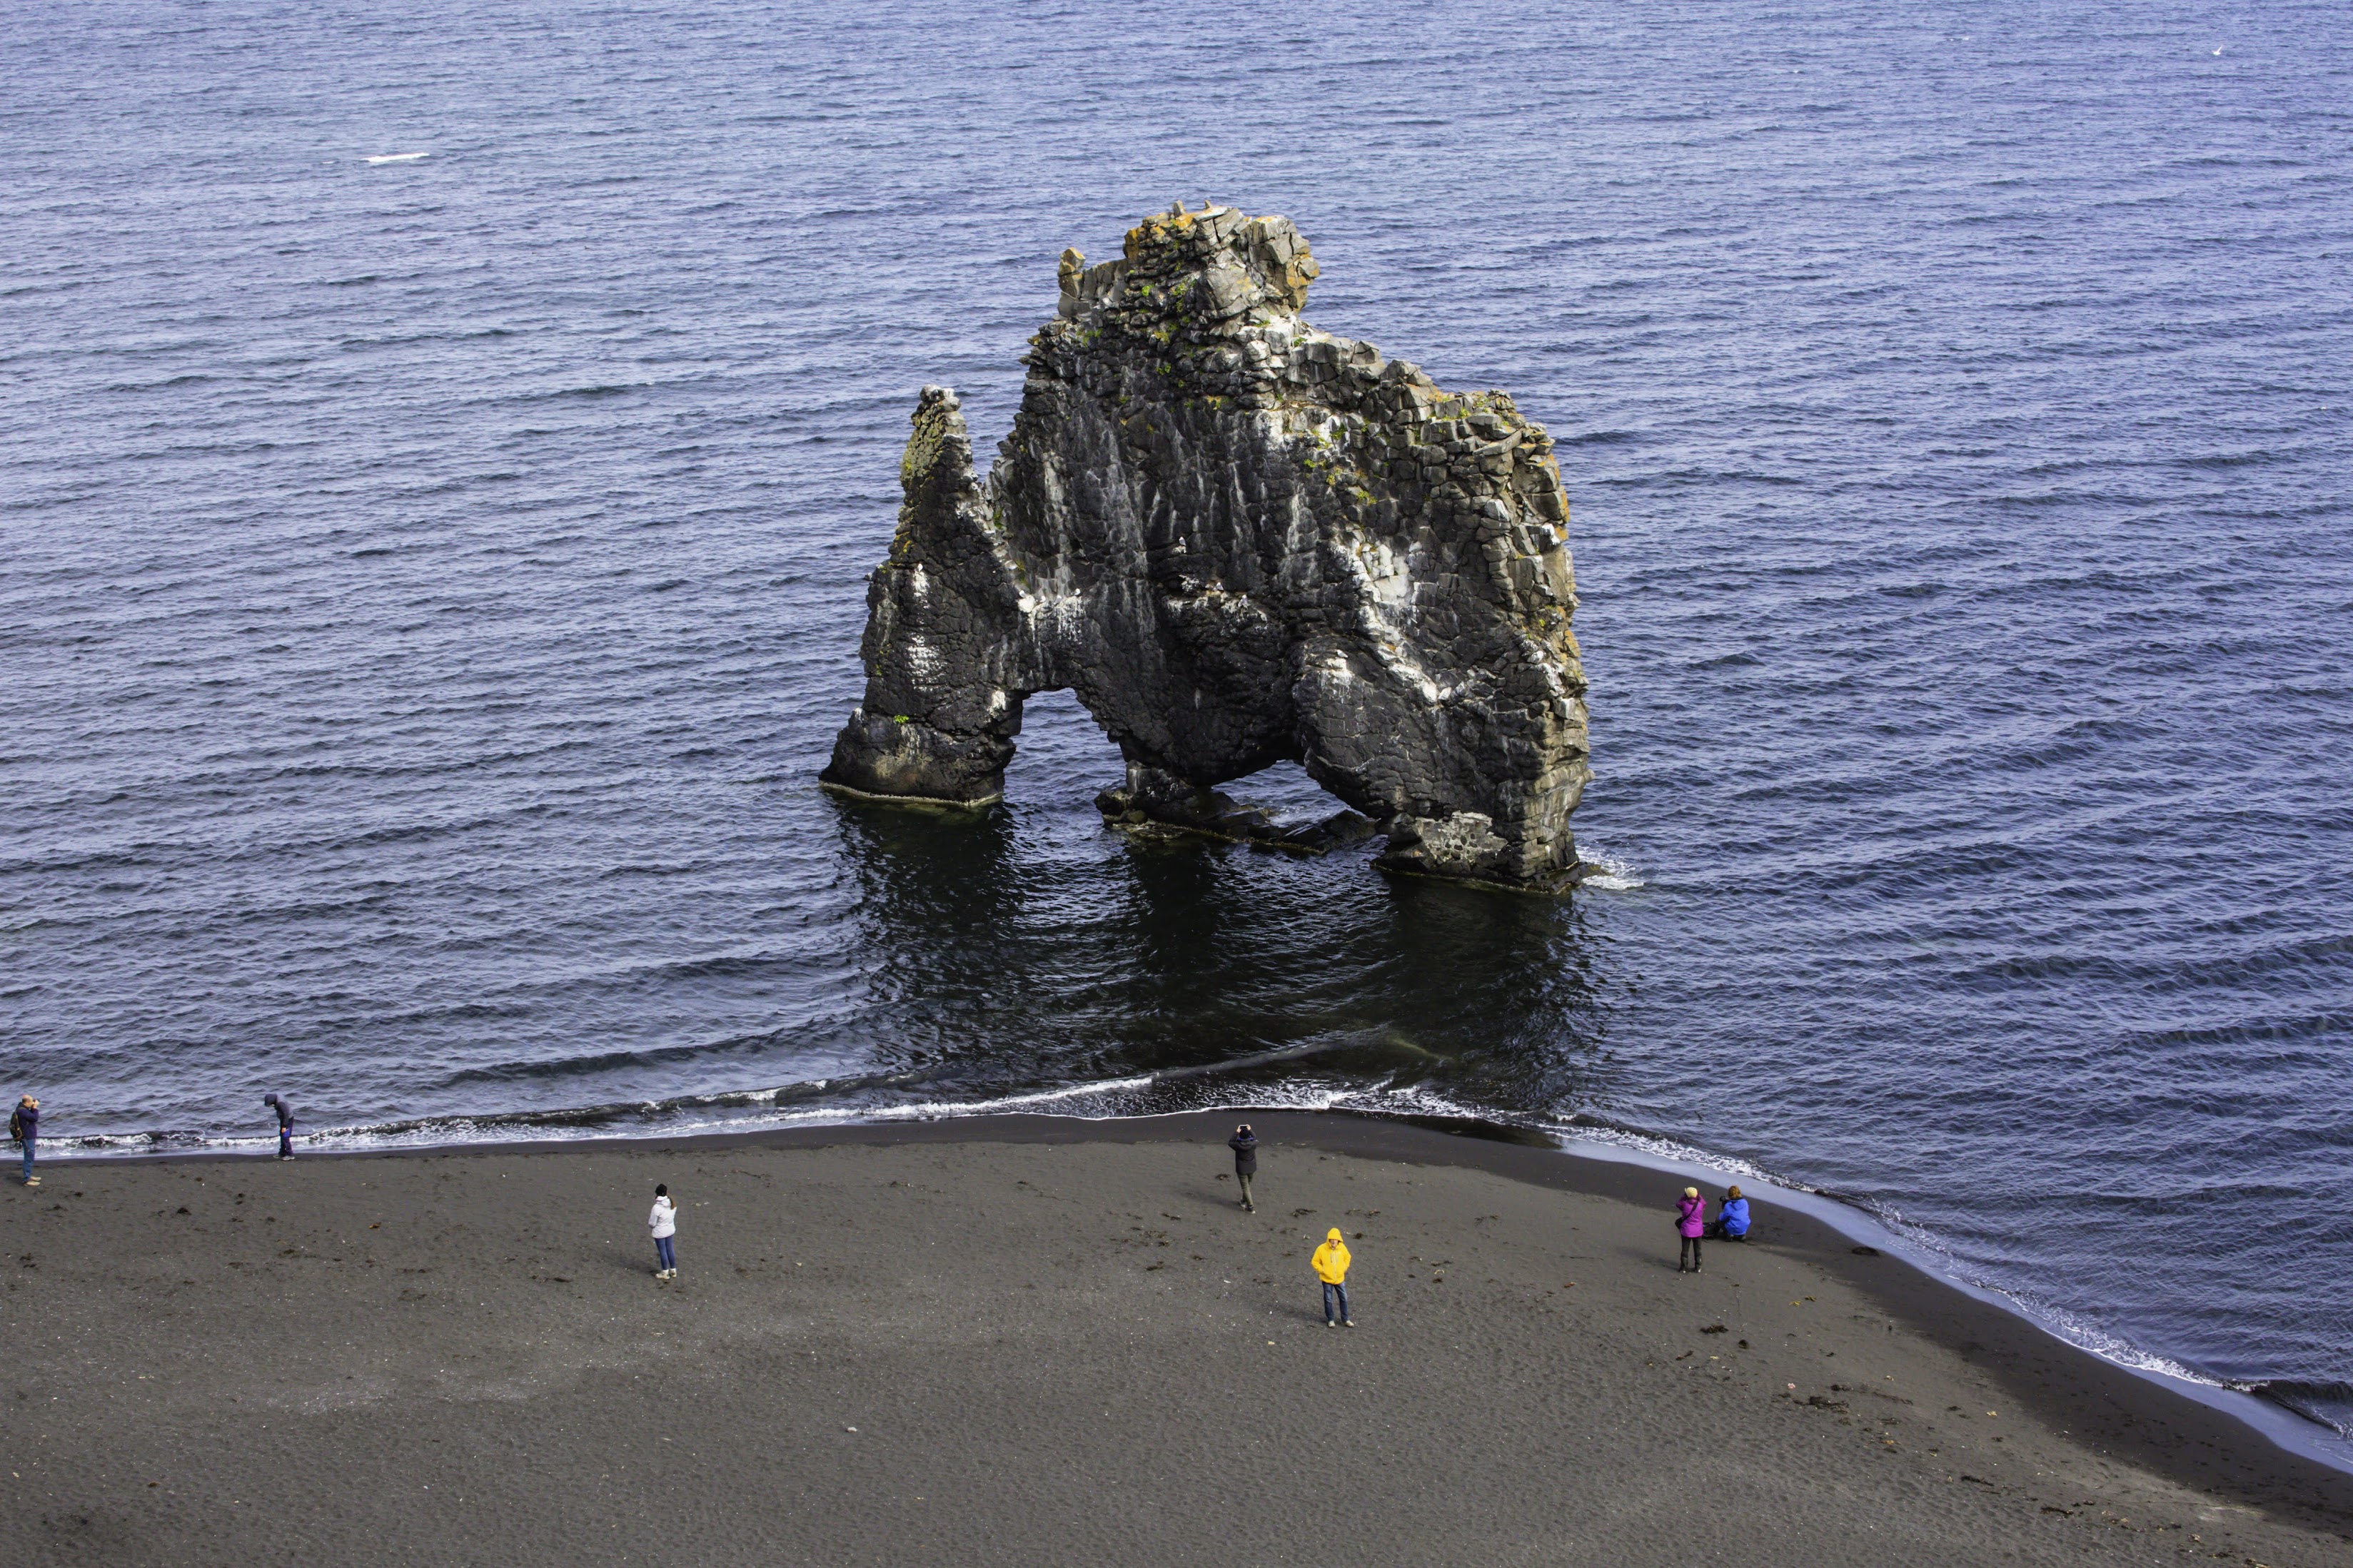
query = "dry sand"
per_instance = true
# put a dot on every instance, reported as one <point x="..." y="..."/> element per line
<point x="1028" y="1342"/>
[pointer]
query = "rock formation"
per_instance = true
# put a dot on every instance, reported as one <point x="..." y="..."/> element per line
<point x="1239" y="539"/>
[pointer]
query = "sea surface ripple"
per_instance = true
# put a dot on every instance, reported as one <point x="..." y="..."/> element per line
<point x="441" y="448"/>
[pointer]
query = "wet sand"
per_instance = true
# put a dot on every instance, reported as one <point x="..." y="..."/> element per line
<point x="1024" y="1340"/>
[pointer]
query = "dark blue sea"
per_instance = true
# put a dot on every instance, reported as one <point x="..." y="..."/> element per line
<point x="442" y="446"/>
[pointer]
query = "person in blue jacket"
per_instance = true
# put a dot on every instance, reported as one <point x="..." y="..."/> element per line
<point x="1732" y="1219"/>
<point x="25" y="1126"/>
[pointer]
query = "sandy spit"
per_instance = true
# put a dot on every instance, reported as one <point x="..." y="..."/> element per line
<point x="1025" y="1341"/>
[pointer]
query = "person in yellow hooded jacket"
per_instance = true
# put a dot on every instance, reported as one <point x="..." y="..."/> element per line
<point x="1331" y="1261"/>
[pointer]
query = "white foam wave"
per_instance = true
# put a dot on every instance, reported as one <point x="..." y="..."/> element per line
<point x="1928" y="1250"/>
<point x="1651" y="1146"/>
<point x="398" y="157"/>
<point x="1611" y="873"/>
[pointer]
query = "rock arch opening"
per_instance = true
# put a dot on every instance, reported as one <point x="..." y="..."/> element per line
<point x="1061" y="757"/>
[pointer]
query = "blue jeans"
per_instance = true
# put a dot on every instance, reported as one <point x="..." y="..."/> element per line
<point x="285" y="1140"/>
<point x="28" y="1159"/>
<point x="665" y="1251"/>
<point x="1331" y="1294"/>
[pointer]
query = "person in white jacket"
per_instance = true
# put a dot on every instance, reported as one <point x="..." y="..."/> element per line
<point x="663" y="1223"/>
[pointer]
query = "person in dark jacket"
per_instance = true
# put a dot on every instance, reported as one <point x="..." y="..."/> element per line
<point x="1244" y="1144"/>
<point x="285" y="1125"/>
<point x="24" y="1126"/>
<point x="1731" y="1222"/>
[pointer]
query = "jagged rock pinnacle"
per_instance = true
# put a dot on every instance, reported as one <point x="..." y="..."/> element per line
<point x="1239" y="539"/>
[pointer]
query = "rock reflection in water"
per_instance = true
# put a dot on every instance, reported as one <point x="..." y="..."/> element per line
<point x="1026" y="946"/>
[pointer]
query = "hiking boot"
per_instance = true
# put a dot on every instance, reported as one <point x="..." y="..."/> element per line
<point x="1349" y="1322"/>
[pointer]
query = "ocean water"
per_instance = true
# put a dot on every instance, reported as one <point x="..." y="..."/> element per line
<point x="441" y="447"/>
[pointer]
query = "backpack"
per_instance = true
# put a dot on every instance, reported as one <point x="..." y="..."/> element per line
<point x="17" y="1126"/>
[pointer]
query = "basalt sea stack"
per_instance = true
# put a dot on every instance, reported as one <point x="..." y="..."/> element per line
<point x="1237" y="540"/>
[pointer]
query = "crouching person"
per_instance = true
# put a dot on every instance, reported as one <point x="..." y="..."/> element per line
<point x="1731" y="1222"/>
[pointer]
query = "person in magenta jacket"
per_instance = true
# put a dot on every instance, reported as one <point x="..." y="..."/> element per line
<point x="1691" y="1224"/>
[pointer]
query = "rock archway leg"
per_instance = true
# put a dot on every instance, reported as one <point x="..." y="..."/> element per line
<point x="944" y="683"/>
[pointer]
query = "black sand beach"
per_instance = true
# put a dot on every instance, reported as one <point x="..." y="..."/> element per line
<point x="1018" y="1340"/>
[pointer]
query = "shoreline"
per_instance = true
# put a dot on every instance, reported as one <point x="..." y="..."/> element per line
<point x="2181" y="1428"/>
<point x="1023" y="1338"/>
